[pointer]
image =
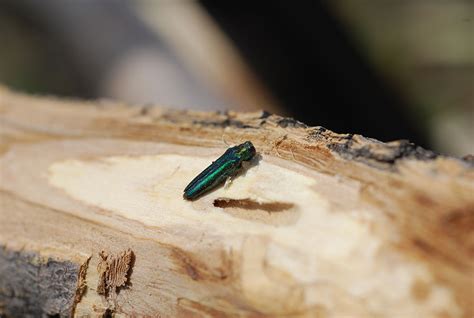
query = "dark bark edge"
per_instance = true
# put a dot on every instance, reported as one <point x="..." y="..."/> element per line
<point x="36" y="287"/>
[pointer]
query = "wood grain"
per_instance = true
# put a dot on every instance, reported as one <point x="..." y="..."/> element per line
<point x="321" y="225"/>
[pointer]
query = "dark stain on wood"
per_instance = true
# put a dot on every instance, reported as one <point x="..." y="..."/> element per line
<point x="436" y="253"/>
<point x="459" y="224"/>
<point x="423" y="200"/>
<point x="197" y="270"/>
<point x="188" y="264"/>
<point x="420" y="290"/>
<point x="461" y="219"/>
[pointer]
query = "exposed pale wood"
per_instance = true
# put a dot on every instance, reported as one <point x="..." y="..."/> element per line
<point x="322" y="225"/>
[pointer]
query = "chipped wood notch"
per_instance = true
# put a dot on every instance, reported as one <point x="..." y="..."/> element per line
<point x="114" y="272"/>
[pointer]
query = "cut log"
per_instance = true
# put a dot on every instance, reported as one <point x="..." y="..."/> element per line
<point x="93" y="221"/>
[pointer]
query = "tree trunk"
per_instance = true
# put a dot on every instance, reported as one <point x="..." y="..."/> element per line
<point x="93" y="221"/>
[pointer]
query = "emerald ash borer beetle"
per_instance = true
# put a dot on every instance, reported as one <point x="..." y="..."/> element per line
<point x="217" y="173"/>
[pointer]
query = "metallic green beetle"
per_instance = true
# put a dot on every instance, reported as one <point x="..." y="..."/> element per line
<point x="224" y="167"/>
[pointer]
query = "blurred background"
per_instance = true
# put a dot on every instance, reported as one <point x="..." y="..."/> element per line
<point x="387" y="69"/>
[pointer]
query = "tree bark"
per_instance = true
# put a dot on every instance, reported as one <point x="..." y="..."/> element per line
<point x="93" y="222"/>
